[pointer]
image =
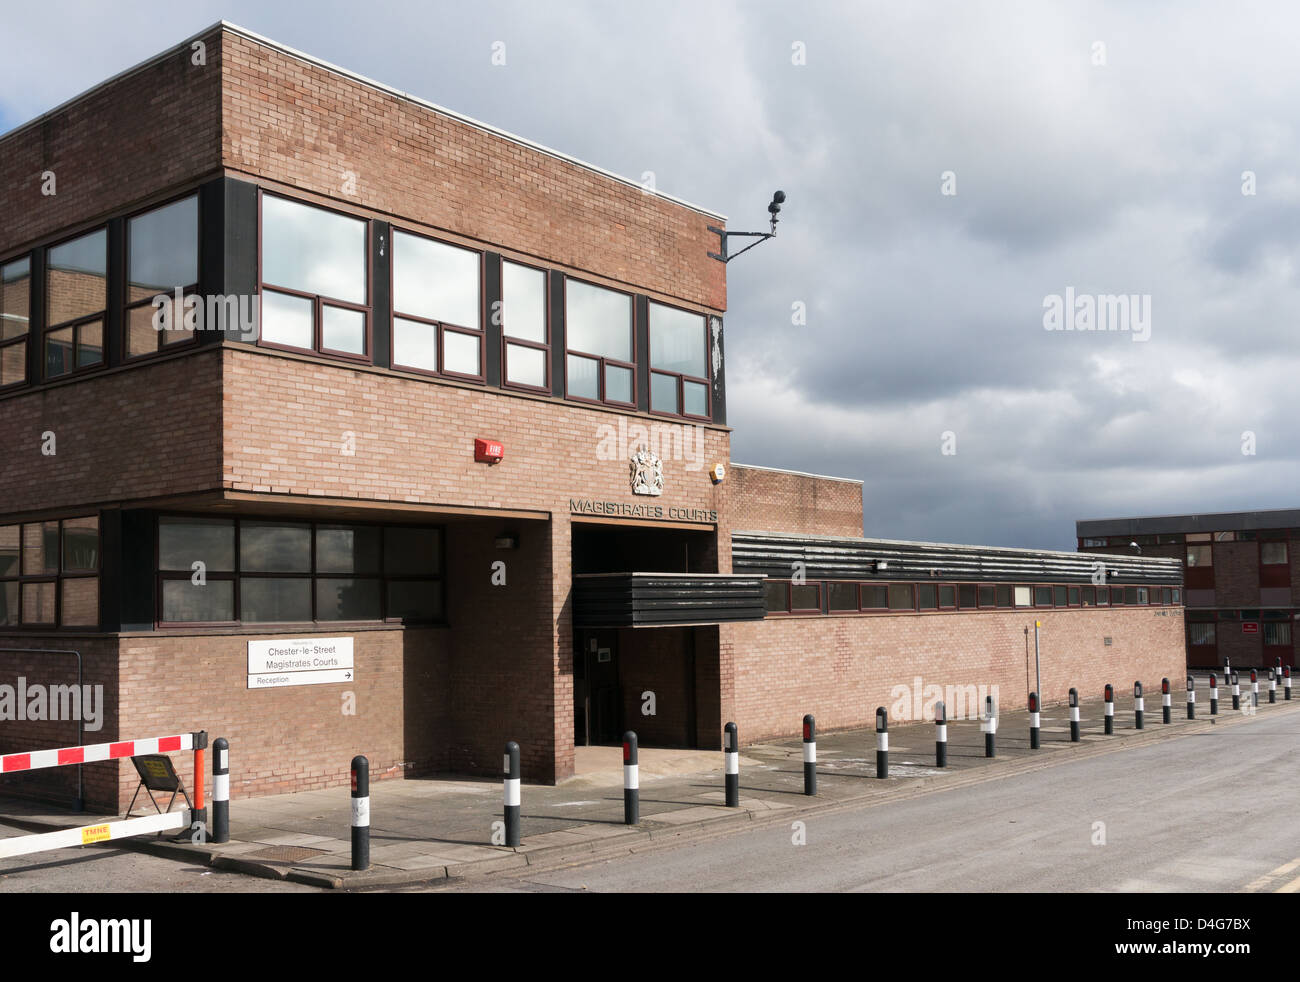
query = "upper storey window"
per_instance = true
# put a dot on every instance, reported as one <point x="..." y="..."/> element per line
<point x="523" y="327"/>
<point x="600" y="364"/>
<point x="679" y="374"/>
<point x="15" y="320"/>
<point x="162" y="256"/>
<point x="437" y="307"/>
<point x="76" y="294"/>
<point x="315" y="279"/>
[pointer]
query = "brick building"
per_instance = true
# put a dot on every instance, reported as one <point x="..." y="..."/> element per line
<point x="429" y="460"/>
<point x="1241" y="577"/>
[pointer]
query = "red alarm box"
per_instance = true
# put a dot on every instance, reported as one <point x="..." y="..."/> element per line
<point x="489" y="451"/>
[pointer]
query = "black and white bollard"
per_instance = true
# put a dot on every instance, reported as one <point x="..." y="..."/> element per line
<point x="1191" y="697"/>
<point x="1272" y="685"/>
<point x="809" y="754"/>
<point x="990" y="727"/>
<point x="220" y="790"/>
<point x="1035" y="721"/>
<point x="1074" y="715"/>
<point x="1138" y="705"/>
<point x="731" y="764"/>
<point x="1254" y="688"/>
<point x="1227" y="671"/>
<point x="1236" y="691"/>
<point x="1166" y="703"/>
<point x="511" y="767"/>
<point x="940" y="735"/>
<point x="631" y="781"/>
<point x="1110" y="709"/>
<point x="360" y="813"/>
<point x="882" y="743"/>
<point x="1214" y="694"/>
<point x="1286" y="682"/>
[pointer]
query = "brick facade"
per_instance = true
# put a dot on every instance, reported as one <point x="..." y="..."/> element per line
<point x="785" y="501"/>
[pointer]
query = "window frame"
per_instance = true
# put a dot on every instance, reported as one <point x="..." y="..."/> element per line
<point x="442" y="327"/>
<point x="319" y="302"/>
<point x="506" y="340"/>
<point x="186" y="290"/>
<point x="25" y="338"/>
<point x="58" y="577"/>
<point x="601" y="360"/>
<point x="681" y="379"/>
<point x="161" y="576"/>
<point x="857" y="598"/>
<point x="76" y="323"/>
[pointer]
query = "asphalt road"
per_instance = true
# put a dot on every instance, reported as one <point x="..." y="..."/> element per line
<point x="1212" y="813"/>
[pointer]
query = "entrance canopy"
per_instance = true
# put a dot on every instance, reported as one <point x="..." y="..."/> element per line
<point x="665" y="599"/>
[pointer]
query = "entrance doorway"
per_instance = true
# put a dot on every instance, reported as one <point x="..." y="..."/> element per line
<point x="598" y="693"/>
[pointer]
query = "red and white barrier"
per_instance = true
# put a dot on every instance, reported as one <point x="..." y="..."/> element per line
<point x="92" y="752"/>
<point x="194" y="818"/>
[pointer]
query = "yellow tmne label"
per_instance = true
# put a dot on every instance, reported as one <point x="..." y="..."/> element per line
<point x="95" y="833"/>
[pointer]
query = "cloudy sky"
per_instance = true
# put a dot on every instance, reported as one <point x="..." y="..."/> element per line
<point x="1094" y="147"/>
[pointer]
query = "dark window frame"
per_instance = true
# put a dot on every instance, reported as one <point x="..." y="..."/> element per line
<point x="58" y="577"/>
<point x="319" y="301"/>
<point x="76" y="323"/>
<point x="681" y="379"/>
<point x="506" y="340"/>
<point x="601" y="360"/>
<point x="128" y="305"/>
<point x="25" y="338"/>
<point x="236" y="574"/>
<point x="441" y="328"/>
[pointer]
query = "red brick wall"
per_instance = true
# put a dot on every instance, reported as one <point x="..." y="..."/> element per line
<point x="305" y="126"/>
<point x="1236" y="574"/>
<point x="156" y="129"/>
<point x="842" y="668"/>
<point x="145" y="431"/>
<point x="780" y="501"/>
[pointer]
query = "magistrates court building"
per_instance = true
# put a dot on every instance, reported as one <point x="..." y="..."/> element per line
<point x="437" y="457"/>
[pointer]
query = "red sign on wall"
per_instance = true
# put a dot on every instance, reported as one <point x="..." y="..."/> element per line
<point x="1249" y="627"/>
<point x="489" y="451"/>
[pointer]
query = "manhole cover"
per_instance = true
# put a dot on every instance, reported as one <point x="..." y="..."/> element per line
<point x="285" y="854"/>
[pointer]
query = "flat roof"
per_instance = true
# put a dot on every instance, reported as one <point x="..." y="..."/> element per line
<point x="783" y="470"/>
<point x="363" y="80"/>
<point x="1233" y="521"/>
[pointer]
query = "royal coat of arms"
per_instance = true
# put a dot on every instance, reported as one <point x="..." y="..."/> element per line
<point x="647" y="473"/>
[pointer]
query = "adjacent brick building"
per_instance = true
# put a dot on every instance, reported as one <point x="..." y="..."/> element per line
<point x="451" y="407"/>
<point x="1242" y="578"/>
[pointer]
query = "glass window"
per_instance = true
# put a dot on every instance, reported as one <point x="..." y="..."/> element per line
<point x="1198" y="556"/>
<point x="348" y="599"/>
<point x="1042" y="596"/>
<point x="1178" y="595"/>
<point x="1090" y="596"/>
<point x="1272" y="553"/>
<point x="842" y="596"/>
<point x="184" y="602"/>
<point x="599" y="325"/>
<point x="79" y="603"/>
<point x="267" y="547"/>
<point x="415" y="600"/>
<point x="1143" y="596"/>
<point x="1199" y="634"/>
<point x="274" y="599"/>
<point x="15" y="320"/>
<point x="1023" y="596"/>
<point x="900" y="596"/>
<point x="1103" y="596"/>
<point x="1166" y="596"/>
<point x="81" y="545"/>
<point x="947" y="596"/>
<point x="875" y="596"/>
<point x="76" y="293"/>
<point x="1131" y="596"/>
<point x="927" y="596"/>
<point x="966" y="595"/>
<point x="49" y="573"/>
<point x="987" y="597"/>
<point x="162" y="256"/>
<point x="347" y="549"/>
<point x="436" y="286"/>
<point x="523" y="325"/>
<point x="776" y="594"/>
<point x="1074" y="596"/>
<point x="805" y="596"/>
<point x="678" y="351"/>
<point x="310" y="256"/>
<point x="1117" y="596"/>
<point x="412" y="551"/>
<point x="1004" y="596"/>
<point x="1060" y="596"/>
<point x="185" y="541"/>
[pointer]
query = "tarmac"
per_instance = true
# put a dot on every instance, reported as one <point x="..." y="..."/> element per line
<point x="430" y="829"/>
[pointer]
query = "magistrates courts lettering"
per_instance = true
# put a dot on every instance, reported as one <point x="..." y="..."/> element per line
<point x="620" y="509"/>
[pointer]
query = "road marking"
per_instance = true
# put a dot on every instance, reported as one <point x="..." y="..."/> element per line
<point x="1263" y="882"/>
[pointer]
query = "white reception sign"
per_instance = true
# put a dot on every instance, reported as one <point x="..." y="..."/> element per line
<point x="299" y="661"/>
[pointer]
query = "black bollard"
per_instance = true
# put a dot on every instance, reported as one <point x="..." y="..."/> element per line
<point x="1286" y="682"/>
<point x="1034" y="721"/>
<point x="940" y="735"/>
<point x="360" y="813"/>
<point x="731" y="765"/>
<point x="990" y="727"/>
<point x="882" y="743"/>
<point x="631" y="781"/>
<point x="511" y="766"/>
<point x="1074" y="715"/>
<point x="1166" y="703"/>
<point x="220" y="790"/>
<point x="809" y="754"/>
<point x="1272" y="685"/>
<point x="1191" y="697"/>
<point x="1138" y="705"/>
<point x="1214" y="694"/>
<point x="1236" y="691"/>
<point x="1110" y="709"/>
